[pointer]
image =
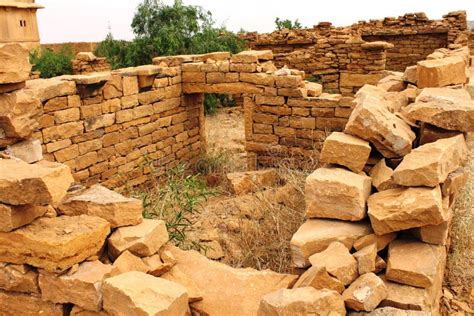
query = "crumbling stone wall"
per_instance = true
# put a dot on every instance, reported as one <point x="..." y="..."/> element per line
<point x="471" y="42"/>
<point x="86" y="62"/>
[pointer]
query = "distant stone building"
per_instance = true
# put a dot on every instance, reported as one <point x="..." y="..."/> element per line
<point x="18" y="22"/>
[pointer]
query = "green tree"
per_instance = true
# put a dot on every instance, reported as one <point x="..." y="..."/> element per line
<point x="50" y="63"/>
<point x="287" y="24"/>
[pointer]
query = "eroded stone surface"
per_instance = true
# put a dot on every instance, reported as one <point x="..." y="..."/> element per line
<point x="337" y="193"/>
<point x="12" y="217"/>
<point x="15" y="66"/>
<point x="18" y="278"/>
<point x="382" y="176"/>
<point x="102" y="202"/>
<point x="441" y="72"/>
<point x="366" y="259"/>
<point x="54" y="244"/>
<point x="251" y="181"/>
<point x="318" y="277"/>
<point x="366" y="293"/>
<point x="316" y="235"/>
<point x="28" y="305"/>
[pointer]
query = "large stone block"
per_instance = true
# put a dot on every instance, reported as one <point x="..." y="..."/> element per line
<point x="15" y="66"/>
<point x="345" y="150"/>
<point x="337" y="193"/>
<point x="42" y="183"/>
<point x="302" y="301"/>
<point x="18" y="278"/>
<point x="82" y="287"/>
<point x="382" y="176"/>
<point x="315" y="235"/>
<point x="366" y="293"/>
<point x="13" y="217"/>
<point x="319" y="278"/>
<point x="29" y="151"/>
<point x="372" y="120"/>
<point x="137" y="293"/>
<point x="102" y="202"/>
<point x="441" y="72"/>
<point x="12" y="303"/>
<point x="430" y="164"/>
<point x="404" y="208"/>
<point x="55" y="244"/>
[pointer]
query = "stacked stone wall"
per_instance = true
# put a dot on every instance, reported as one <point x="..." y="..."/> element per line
<point x="85" y="67"/>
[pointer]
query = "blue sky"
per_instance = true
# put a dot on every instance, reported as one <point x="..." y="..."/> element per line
<point x="88" y="20"/>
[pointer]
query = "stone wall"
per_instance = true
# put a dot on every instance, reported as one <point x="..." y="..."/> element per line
<point x="471" y="42"/>
<point x="77" y="47"/>
<point x="87" y="62"/>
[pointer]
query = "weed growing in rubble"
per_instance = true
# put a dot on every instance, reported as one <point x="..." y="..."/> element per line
<point x="175" y="202"/>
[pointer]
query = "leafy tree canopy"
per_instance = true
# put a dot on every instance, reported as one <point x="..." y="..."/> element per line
<point x="287" y="24"/>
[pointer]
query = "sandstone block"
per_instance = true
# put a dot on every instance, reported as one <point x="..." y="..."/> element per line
<point x="137" y="293"/>
<point x="337" y="193"/>
<point x="430" y="164"/>
<point x="77" y="311"/>
<point x="156" y="266"/>
<point x="390" y="311"/>
<point x="399" y="209"/>
<point x="15" y="65"/>
<point x="454" y="183"/>
<point x="338" y="262"/>
<point x="366" y="259"/>
<point x="252" y="56"/>
<point x="408" y="297"/>
<point x="381" y="241"/>
<point x="319" y="278"/>
<point x="316" y="235"/>
<point x="42" y="183"/>
<point x="12" y="303"/>
<point x="102" y="202"/>
<point x="371" y="120"/>
<point x="382" y="176"/>
<point x="29" y="151"/>
<point x="252" y="181"/>
<point x="441" y="72"/>
<point x="345" y="150"/>
<point x="358" y="80"/>
<point x="54" y="244"/>
<point x="127" y="262"/>
<point x="178" y="276"/>
<point x="18" y="278"/>
<point x="415" y="263"/>
<point x="82" y="287"/>
<point x="19" y="114"/>
<point x="301" y="301"/>
<point x="13" y="217"/>
<point x="366" y="293"/>
<point x="143" y="240"/>
<point x="410" y="74"/>
<point x="430" y="133"/>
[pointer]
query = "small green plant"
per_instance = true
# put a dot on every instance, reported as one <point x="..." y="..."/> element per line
<point x="51" y="64"/>
<point x="314" y="78"/>
<point x="287" y="24"/>
<point x="213" y="101"/>
<point x="175" y="202"/>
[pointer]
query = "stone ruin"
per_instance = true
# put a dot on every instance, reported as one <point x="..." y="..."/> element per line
<point x="379" y="209"/>
<point x="87" y="62"/>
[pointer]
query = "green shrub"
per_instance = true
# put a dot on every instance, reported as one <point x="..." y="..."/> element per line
<point x="52" y="64"/>
<point x="213" y="101"/>
<point x="287" y="24"/>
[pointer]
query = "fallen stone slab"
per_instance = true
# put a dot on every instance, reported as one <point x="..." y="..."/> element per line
<point x="345" y="150"/>
<point x="18" y="278"/>
<point x="138" y="293"/>
<point x="127" y="262"/>
<point x="366" y="293"/>
<point x="15" y="65"/>
<point x="82" y="287"/>
<point x="382" y="176"/>
<point x="366" y="259"/>
<point x="441" y="72"/>
<point x="156" y="266"/>
<point x="399" y="209"/>
<point x="372" y="121"/>
<point x="302" y="301"/>
<point x="40" y="184"/>
<point x="226" y="290"/>
<point x="338" y="261"/>
<point x="435" y="234"/>
<point x="102" y="202"/>
<point x="382" y="241"/>
<point x="252" y="181"/>
<point x="408" y="297"/>
<point x="430" y="164"/>
<point x="430" y="133"/>
<point x="54" y="244"/>
<point x="29" y="151"/>
<point x="319" y="278"/>
<point x="13" y="217"/>
<point x="337" y="193"/>
<point x="315" y="235"/>
<point x="12" y="303"/>
<point x="415" y="263"/>
<point x="143" y="240"/>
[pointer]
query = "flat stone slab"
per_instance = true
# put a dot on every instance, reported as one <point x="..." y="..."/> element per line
<point x="315" y="235"/>
<point x="415" y="263"/>
<point x="441" y="72"/>
<point x="54" y="244"/>
<point x="12" y="303"/>
<point x="18" y="278"/>
<point x="399" y="209"/>
<point x="107" y="204"/>
<point x="366" y="293"/>
<point x="13" y="217"/>
<point x="319" y="278"/>
<point x="15" y="66"/>
<point x="337" y="193"/>
<point x="410" y="298"/>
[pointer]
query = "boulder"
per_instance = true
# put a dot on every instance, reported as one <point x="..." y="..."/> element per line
<point x="381" y="241"/>
<point x="372" y="121"/>
<point x="54" y="244"/>
<point x="399" y="209"/>
<point x="337" y="193"/>
<point x="415" y="263"/>
<point x="301" y="301"/>
<point x="137" y="293"/>
<point x="441" y="72"/>
<point x="366" y="293"/>
<point x="338" y="261"/>
<point x="345" y="150"/>
<point x="319" y="278"/>
<point x="252" y="181"/>
<point x="226" y="290"/>
<point x="18" y="278"/>
<point x="13" y="217"/>
<point x="82" y="287"/>
<point x="12" y="303"/>
<point x="29" y="151"/>
<point x="315" y="235"/>
<point x="430" y="164"/>
<point x="102" y="202"/>
<point x="127" y="262"/>
<point x="42" y="183"/>
<point x="382" y="176"/>
<point x="15" y="66"/>
<point x="366" y="259"/>
<point x="143" y="240"/>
